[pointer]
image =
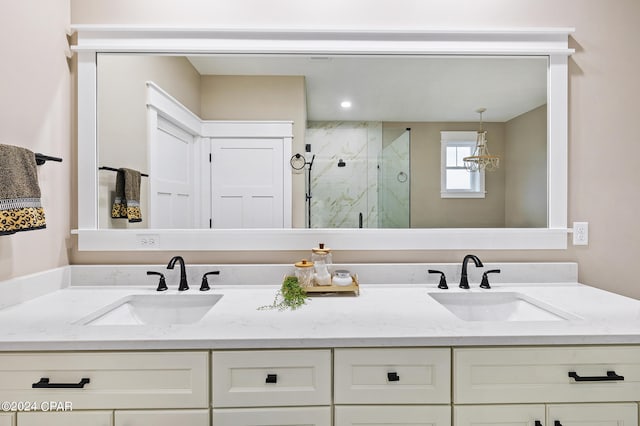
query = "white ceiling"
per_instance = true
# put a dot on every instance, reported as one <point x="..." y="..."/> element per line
<point x="401" y="88"/>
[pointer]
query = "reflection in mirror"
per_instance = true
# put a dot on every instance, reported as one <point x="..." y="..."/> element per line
<point x="378" y="163"/>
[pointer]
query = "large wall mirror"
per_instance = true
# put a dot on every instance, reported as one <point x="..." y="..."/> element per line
<point x="377" y="163"/>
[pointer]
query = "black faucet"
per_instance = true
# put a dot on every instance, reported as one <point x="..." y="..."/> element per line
<point x="464" y="282"/>
<point x="183" y="272"/>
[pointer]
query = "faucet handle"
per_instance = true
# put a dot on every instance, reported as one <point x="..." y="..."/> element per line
<point x="485" y="279"/>
<point x="205" y="283"/>
<point x="162" y="284"/>
<point x="443" y="280"/>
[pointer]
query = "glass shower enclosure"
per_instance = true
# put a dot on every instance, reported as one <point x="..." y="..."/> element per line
<point x="361" y="176"/>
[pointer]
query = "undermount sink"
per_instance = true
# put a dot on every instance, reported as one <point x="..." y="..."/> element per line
<point x="499" y="306"/>
<point x="156" y="309"/>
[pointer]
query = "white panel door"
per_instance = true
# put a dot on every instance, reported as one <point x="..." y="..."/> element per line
<point x="592" y="415"/>
<point x="503" y="415"/>
<point x="171" y="176"/>
<point x="247" y="183"/>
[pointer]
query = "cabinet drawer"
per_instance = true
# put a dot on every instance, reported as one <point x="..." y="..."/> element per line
<point x="292" y="416"/>
<point x="271" y="378"/>
<point x="532" y="374"/>
<point x="392" y="376"/>
<point x="75" y="418"/>
<point x="115" y="379"/>
<point x="417" y="415"/>
<point x="162" y="418"/>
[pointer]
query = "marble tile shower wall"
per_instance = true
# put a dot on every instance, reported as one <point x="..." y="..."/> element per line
<point x="341" y="194"/>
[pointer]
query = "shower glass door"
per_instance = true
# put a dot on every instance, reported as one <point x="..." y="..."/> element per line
<point x="394" y="179"/>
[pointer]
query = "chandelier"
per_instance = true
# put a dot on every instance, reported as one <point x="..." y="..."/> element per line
<point x="481" y="159"/>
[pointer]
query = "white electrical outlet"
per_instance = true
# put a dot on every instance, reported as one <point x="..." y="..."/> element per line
<point x="148" y="240"/>
<point x="580" y="233"/>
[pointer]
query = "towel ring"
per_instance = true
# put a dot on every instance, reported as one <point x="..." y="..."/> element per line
<point x="298" y="162"/>
<point x="402" y="177"/>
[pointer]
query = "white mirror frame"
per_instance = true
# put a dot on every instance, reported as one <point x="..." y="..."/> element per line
<point x="550" y="42"/>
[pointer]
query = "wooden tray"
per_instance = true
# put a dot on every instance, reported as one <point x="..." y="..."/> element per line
<point x="337" y="290"/>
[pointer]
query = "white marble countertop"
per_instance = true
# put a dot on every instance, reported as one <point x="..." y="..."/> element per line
<point x="398" y="315"/>
<point x="382" y="315"/>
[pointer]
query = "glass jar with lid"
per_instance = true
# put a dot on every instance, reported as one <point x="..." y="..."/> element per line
<point x="322" y="261"/>
<point x="304" y="273"/>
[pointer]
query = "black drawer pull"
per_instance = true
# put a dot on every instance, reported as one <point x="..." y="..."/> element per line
<point x="557" y="423"/>
<point x="537" y="423"/>
<point x="610" y="377"/>
<point x="271" y="378"/>
<point x="393" y="377"/>
<point x="44" y="384"/>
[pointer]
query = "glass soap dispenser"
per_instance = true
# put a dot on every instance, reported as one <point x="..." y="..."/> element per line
<point x="321" y="258"/>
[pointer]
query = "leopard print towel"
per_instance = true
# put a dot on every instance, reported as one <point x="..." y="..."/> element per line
<point x="126" y="204"/>
<point x="20" y="205"/>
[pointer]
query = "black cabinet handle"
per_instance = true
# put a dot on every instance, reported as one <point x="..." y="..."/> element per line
<point x="610" y="377"/>
<point x="271" y="378"/>
<point x="393" y="377"/>
<point x="557" y="423"/>
<point x="44" y="384"/>
<point x="537" y="423"/>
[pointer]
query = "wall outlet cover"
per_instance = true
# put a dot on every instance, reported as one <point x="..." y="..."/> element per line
<point x="580" y="233"/>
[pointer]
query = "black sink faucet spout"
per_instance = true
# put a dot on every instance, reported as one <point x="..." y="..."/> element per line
<point x="464" y="281"/>
<point x="183" y="272"/>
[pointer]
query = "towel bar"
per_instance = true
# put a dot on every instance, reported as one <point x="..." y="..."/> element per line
<point x="115" y="170"/>
<point x="41" y="159"/>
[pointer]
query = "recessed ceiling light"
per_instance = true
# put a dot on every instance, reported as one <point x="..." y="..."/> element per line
<point x="345" y="104"/>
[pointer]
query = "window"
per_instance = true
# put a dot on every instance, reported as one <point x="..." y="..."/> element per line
<point x="455" y="180"/>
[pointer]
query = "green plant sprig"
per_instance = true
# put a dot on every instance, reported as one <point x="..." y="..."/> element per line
<point x="290" y="296"/>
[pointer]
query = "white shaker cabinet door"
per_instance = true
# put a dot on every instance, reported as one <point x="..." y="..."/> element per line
<point x="69" y="418"/>
<point x="161" y="417"/>
<point x="285" y="416"/>
<point x="393" y="415"/>
<point x="592" y="414"/>
<point x="7" y="419"/>
<point x="503" y="415"/>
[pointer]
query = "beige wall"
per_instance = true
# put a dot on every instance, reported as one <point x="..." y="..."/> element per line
<point x="428" y="209"/>
<point x="228" y="97"/>
<point x="525" y="165"/>
<point x="35" y="112"/>
<point x="122" y="118"/>
<point x="603" y="107"/>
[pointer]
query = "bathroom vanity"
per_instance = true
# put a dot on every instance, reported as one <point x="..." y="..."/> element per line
<point x="400" y="353"/>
